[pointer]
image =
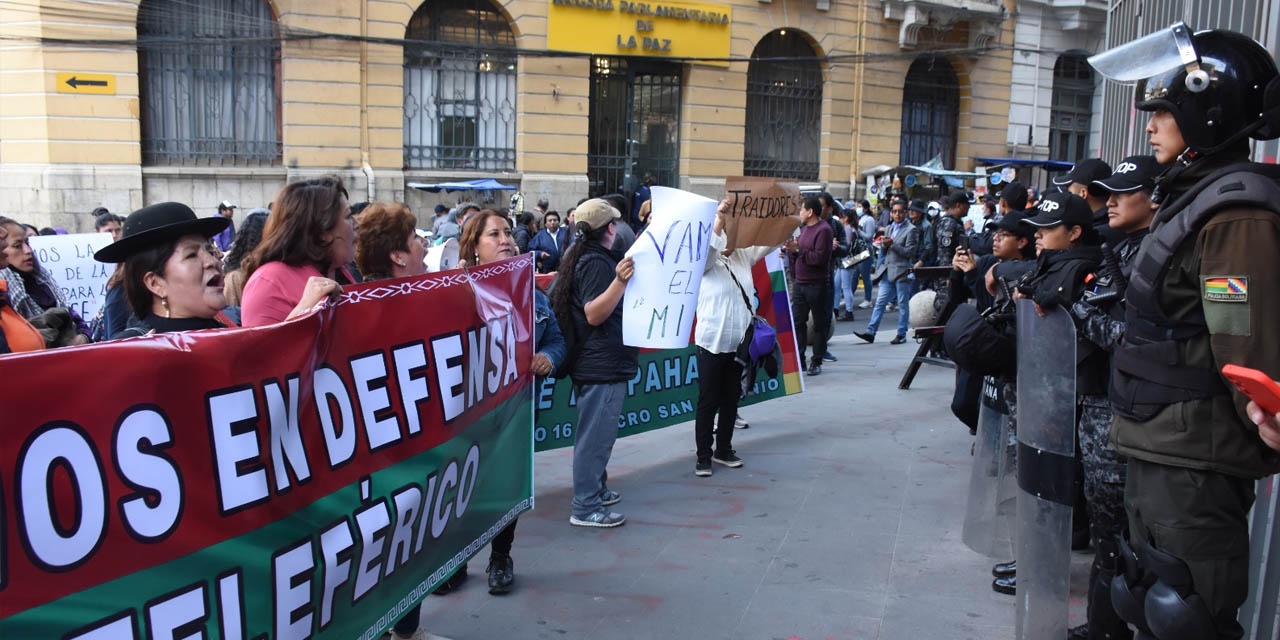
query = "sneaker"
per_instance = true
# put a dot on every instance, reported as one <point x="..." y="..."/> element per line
<point x="702" y="469"/>
<point x="815" y="369"/>
<point x="898" y="340"/>
<point x="727" y="459"/>
<point x="865" y="304"/>
<point x="740" y="423"/>
<point x="610" y="497"/>
<point x="603" y="519"/>
<point x="891" y="307"/>
<point x="828" y="356"/>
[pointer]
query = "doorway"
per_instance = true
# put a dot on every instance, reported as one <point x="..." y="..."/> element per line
<point x="635" y="124"/>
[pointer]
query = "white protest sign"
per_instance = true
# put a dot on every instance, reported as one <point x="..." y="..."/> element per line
<point x="69" y="259"/>
<point x="662" y="296"/>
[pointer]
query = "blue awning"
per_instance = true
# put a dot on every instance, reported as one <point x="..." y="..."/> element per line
<point x="484" y="184"/>
<point x="1051" y="165"/>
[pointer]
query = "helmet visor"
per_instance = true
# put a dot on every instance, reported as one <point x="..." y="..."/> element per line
<point x="1148" y="56"/>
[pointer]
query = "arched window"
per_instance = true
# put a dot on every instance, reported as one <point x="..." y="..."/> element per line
<point x="930" y="104"/>
<point x="784" y="109"/>
<point x="459" y="88"/>
<point x="209" y="78"/>
<point x="1072" y="108"/>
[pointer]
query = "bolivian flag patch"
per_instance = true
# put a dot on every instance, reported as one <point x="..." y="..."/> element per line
<point x="1226" y="288"/>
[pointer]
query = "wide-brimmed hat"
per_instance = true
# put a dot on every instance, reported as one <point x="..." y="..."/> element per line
<point x="156" y="224"/>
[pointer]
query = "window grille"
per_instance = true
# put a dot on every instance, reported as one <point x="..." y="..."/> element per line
<point x="930" y="105"/>
<point x="460" y="88"/>
<point x="784" y="109"/>
<point x="209" y="75"/>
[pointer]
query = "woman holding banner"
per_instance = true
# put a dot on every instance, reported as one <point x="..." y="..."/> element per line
<point x="587" y="297"/>
<point x="171" y="278"/>
<point x="486" y="238"/>
<point x="305" y="245"/>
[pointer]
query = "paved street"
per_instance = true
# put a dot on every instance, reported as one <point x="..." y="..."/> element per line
<point x="844" y="523"/>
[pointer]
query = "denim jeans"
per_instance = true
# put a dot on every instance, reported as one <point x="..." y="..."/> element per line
<point x="902" y="289"/>
<point x="599" y="406"/>
<point x="863" y="273"/>
<point x="845" y="279"/>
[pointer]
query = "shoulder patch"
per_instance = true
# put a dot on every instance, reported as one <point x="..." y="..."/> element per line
<point x="1226" y="288"/>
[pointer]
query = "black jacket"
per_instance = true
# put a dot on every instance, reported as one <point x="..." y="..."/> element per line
<point x="602" y="358"/>
<point x="1059" y="279"/>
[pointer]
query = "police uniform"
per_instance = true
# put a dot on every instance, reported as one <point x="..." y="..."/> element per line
<point x="949" y="230"/>
<point x="1202" y="294"/>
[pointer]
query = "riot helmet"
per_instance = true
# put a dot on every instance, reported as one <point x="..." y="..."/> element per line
<point x="1219" y="86"/>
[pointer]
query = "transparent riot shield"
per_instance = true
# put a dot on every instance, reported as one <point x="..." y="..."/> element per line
<point x="993" y="485"/>
<point x="1046" y="446"/>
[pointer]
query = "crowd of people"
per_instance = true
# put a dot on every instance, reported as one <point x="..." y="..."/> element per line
<point x="1153" y="260"/>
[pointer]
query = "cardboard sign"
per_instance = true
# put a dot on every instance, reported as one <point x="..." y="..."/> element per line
<point x="69" y="258"/>
<point x="662" y="296"/>
<point x="763" y="212"/>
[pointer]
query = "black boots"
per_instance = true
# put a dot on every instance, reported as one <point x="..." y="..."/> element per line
<point x="501" y="573"/>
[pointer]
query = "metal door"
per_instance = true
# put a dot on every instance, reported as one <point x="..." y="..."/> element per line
<point x="635" y="123"/>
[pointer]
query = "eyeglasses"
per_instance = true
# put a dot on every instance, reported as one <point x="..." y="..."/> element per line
<point x="1003" y="235"/>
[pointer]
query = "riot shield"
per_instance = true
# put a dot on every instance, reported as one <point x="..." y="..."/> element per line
<point x="1046" y="408"/>
<point x="993" y="485"/>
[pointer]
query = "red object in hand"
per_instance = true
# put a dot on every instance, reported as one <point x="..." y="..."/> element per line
<point x="1257" y="385"/>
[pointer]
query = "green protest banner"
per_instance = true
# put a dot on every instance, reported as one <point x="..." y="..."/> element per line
<point x="313" y="479"/>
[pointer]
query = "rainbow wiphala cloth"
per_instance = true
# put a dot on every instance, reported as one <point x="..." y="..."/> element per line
<point x="1226" y="289"/>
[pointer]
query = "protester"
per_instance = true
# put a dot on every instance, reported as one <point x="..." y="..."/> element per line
<point x="867" y="231"/>
<point x="1201" y="295"/>
<point x="441" y="216"/>
<point x="35" y="294"/>
<point x="224" y="239"/>
<point x="248" y="239"/>
<point x="626" y="235"/>
<point x="587" y="296"/>
<point x="307" y="239"/>
<point x="901" y="246"/>
<point x="726" y="304"/>
<point x="810" y="256"/>
<point x="16" y="334"/>
<point x="524" y="231"/>
<point x="840" y="249"/>
<point x="847" y="277"/>
<point x="107" y="222"/>
<point x="549" y="243"/>
<point x="171" y="278"/>
<point x="485" y="239"/>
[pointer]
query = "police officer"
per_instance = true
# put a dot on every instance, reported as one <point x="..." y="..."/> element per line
<point x="1100" y="318"/>
<point x="1202" y="294"/>
<point x="1081" y="181"/>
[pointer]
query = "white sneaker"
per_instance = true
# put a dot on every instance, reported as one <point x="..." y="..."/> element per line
<point x="864" y="305"/>
<point x="740" y="423"/>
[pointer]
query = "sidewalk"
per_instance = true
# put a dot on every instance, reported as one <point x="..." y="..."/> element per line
<point x="844" y="523"/>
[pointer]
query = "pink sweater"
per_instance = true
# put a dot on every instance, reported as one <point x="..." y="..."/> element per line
<point x="272" y="292"/>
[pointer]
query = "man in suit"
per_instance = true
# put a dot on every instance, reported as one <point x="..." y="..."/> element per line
<point x="901" y="246"/>
<point x="549" y="244"/>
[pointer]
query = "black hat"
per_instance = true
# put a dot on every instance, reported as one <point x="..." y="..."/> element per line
<point x="441" y="208"/>
<point x="917" y="205"/>
<point x="1084" y="172"/>
<point x="155" y="224"/>
<point x="1016" y="195"/>
<point x="1133" y="173"/>
<point x="1061" y="208"/>
<point x="1012" y="222"/>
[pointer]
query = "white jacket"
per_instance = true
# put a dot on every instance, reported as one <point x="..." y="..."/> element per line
<point x="722" y="315"/>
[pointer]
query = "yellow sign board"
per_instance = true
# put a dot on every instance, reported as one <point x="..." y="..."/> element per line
<point x="94" y="83"/>
<point x="625" y="28"/>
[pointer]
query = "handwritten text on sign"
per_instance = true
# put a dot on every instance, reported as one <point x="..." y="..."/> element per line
<point x="763" y="212"/>
<point x="69" y="258"/>
<point x="662" y="296"/>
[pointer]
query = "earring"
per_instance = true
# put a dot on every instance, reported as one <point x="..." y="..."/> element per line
<point x="165" y="302"/>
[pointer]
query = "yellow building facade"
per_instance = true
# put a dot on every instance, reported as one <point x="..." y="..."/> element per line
<point x="122" y="104"/>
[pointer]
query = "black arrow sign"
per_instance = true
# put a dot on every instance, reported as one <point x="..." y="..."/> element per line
<point x="76" y="84"/>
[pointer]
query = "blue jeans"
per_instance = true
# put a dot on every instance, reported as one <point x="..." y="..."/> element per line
<point x="845" y="279"/>
<point x="599" y="406"/>
<point x="863" y="272"/>
<point x="902" y="289"/>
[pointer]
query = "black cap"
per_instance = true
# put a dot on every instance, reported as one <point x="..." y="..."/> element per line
<point x="955" y="198"/>
<point x="1133" y="173"/>
<point x="156" y="224"/>
<point x="1061" y="208"/>
<point x="1012" y="222"/>
<point x="1016" y="195"/>
<point x="917" y="205"/>
<point x="441" y="208"/>
<point x="1084" y="172"/>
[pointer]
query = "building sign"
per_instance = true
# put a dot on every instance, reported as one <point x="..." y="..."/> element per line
<point x="621" y="27"/>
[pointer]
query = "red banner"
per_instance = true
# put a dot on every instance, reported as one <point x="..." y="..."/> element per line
<point x="126" y="455"/>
